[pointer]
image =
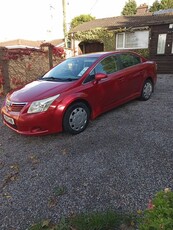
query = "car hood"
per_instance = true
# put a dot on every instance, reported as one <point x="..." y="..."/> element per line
<point x="38" y="90"/>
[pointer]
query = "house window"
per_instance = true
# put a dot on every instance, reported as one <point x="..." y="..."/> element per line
<point x="135" y="40"/>
<point x="120" y="40"/>
<point x="161" y="44"/>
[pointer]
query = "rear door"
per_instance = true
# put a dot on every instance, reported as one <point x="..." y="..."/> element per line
<point x="131" y="74"/>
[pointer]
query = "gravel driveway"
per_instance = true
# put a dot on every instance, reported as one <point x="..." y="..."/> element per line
<point x="120" y="161"/>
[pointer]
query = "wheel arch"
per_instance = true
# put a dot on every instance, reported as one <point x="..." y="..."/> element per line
<point x="146" y="92"/>
<point x="150" y="79"/>
<point x="73" y="123"/>
<point x="78" y="100"/>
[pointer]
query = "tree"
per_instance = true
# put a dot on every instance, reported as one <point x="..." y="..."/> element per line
<point x="166" y="4"/>
<point x="155" y="7"/>
<point x="81" y="19"/>
<point x="163" y="5"/>
<point x="130" y="8"/>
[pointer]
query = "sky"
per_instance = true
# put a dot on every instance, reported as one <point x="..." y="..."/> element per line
<point x="43" y="19"/>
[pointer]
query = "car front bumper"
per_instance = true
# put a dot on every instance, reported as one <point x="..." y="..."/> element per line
<point x="33" y="124"/>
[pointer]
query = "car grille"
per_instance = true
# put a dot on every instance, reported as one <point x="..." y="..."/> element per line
<point x="14" y="106"/>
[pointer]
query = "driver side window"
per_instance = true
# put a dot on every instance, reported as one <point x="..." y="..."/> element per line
<point x="107" y="65"/>
<point x="90" y="77"/>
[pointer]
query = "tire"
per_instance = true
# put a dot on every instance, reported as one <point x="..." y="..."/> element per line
<point x="76" y="118"/>
<point x="147" y="90"/>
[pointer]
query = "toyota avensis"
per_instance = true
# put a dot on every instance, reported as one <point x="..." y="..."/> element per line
<point x="78" y="90"/>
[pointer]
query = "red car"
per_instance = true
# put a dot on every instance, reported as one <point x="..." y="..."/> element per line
<point x="77" y="90"/>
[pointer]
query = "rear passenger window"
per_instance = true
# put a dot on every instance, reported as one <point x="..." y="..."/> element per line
<point x="128" y="60"/>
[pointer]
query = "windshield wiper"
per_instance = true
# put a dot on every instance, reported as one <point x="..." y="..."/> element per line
<point x="49" y="78"/>
<point x="58" y="79"/>
<point x="70" y="79"/>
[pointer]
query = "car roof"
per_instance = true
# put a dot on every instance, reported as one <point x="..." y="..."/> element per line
<point x="102" y="54"/>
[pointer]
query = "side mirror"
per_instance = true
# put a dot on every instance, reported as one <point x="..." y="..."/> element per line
<point x="100" y="76"/>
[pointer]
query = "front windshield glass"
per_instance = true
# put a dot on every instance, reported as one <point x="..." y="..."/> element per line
<point x="70" y="69"/>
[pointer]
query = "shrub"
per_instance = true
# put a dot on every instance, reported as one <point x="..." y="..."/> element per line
<point x="159" y="214"/>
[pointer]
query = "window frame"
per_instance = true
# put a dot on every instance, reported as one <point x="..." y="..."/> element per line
<point x="118" y="62"/>
<point x="124" y="40"/>
<point x="160" y="42"/>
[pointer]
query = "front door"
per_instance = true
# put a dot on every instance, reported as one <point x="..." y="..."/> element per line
<point x="91" y="47"/>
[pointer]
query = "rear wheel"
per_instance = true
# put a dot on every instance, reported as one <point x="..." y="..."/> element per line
<point x="146" y="90"/>
<point x="76" y="118"/>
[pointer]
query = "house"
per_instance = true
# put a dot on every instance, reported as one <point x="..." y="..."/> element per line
<point x="21" y="43"/>
<point x="147" y="33"/>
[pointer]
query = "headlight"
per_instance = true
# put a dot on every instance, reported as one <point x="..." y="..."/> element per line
<point x="41" y="105"/>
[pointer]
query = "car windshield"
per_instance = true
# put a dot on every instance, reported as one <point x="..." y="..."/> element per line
<point x="70" y="69"/>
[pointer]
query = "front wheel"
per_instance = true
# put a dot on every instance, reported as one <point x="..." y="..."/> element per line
<point x="146" y="90"/>
<point x="76" y="118"/>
